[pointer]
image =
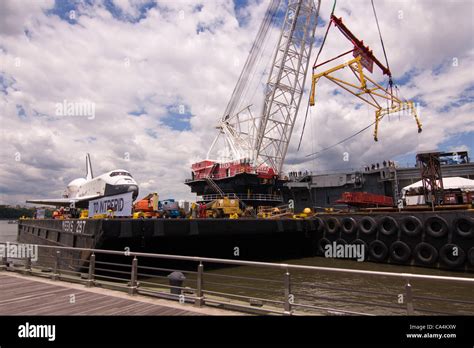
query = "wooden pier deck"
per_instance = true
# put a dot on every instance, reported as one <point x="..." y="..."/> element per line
<point x="26" y="295"/>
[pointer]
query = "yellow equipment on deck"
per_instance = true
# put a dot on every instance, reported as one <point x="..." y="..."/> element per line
<point x="307" y="212"/>
<point x="268" y="212"/>
<point x="224" y="207"/>
<point x="84" y="214"/>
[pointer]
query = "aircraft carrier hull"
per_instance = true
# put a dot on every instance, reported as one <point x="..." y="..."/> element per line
<point x="443" y="240"/>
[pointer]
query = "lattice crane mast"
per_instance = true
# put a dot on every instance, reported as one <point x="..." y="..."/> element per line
<point x="262" y="140"/>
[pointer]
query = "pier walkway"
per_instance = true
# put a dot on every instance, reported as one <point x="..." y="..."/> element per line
<point x="22" y="295"/>
<point x="79" y="281"/>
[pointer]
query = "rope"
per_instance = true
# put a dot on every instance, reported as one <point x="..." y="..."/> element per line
<point x="390" y="83"/>
<point x="316" y="60"/>
<point x="381" y="41"/>
<point x="250" y="64"/>
<point x="345" y="139"/>
<point x="326" y="34"/>
<point x="304" y="126"/>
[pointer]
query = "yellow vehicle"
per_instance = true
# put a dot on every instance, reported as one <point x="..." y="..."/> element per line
<point x="224" y="207"/>
<point x="84" y="214"/>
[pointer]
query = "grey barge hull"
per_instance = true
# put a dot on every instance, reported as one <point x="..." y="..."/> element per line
<point x="443" y="240"/>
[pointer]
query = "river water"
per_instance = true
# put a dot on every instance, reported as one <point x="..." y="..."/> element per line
<point x="331" y="289"/>
<point x="8" y="231"/>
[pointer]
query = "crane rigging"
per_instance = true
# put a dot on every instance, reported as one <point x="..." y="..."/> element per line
<point x="255" y="143"/>
<point x="365" y="88"/>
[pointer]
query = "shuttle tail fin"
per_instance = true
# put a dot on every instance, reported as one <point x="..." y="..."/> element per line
<point x="89" y="174"/>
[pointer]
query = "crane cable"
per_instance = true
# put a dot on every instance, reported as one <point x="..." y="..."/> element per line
<point x="316" y="60"/>
<point x="390" y="83"/>
<point x="326" y="34"/>
<point x="342" y="141"/>
<point x="250" y="63"/>
<point x="383" y="46"/>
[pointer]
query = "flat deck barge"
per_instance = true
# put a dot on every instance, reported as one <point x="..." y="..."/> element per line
<point x="440" y="239"/>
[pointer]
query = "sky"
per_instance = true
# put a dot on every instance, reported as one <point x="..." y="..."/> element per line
<point x="140" y="85"/>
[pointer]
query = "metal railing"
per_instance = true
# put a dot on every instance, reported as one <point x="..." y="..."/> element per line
<point x="280" y="289"/>
<point x="250" y="197"/>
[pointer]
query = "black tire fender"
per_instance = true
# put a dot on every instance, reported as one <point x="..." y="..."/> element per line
<point x="332" y="225"/>
<point x="436" y="226"/>
<point x="319" y="224"/>
<point x="400" y="251"/>
<point x="411" y="226"/>
<point x="366" y="248"/>
<point x="348" y="225"/>
<point x="378" y="250"/>
<point x="367" y="225"/>
<point x="464" y="227"/>
<point x="388" y="225"/>
<point x="447" y="251"/>
<point x="321" y="244"/>
<point x="340" y="241"/>
<point x="470" y="256"/>
<point x="421" y="249"/>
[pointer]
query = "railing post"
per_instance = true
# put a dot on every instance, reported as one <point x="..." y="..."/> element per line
<point x="199" y="287"/>
<point x="56" y="266"/>
<point x="4" y="265"/>
<point x="90" y="278"/>
<point x="28" y="265"/>
<point x="409" y="297"/>
<point x="288" y="296"/>
<point x="132" y="290"/>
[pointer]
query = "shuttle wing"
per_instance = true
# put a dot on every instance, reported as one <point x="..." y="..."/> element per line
<point x="64" y="202"/>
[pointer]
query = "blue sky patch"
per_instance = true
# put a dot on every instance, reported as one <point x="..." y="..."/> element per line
<point x="20" y="110"/>
<point x="177" y="117"/>
<point x="243" y="18"/>
<point x="467" y="96"/>
<point x="405" y="78"/>
<point x="117" y="13"/>
<point x="63" y="8"/>
<point x="138" y="112"/>
<point x="456" y="142"/>
<point x="5" y="82"/>
<point x="198" y="8"/>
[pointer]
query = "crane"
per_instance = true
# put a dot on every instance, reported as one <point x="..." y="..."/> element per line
<point x="263" y="139"/>
<point x="256" y="141"/>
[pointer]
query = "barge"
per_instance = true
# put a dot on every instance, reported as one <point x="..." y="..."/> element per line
<point x="441" y="239"/>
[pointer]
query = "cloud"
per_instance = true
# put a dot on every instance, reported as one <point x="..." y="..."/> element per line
<point x="138" y="62"/>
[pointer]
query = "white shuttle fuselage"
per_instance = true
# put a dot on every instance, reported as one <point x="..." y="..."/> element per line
<point x="80" y="191"/>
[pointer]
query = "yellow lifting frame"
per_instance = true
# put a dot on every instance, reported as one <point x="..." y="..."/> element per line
<point x="362" y="92"/>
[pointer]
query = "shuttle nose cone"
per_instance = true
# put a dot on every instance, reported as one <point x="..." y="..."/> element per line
<point x="134" y="189"/>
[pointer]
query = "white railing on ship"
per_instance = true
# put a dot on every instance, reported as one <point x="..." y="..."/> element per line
<point x="249" y="197"/>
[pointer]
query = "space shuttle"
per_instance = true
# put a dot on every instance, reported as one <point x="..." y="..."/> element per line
<point x="80" y="191"/>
